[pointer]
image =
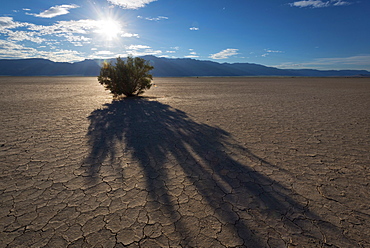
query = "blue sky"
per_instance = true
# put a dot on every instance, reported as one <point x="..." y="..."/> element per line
<point x="321" y="34"/>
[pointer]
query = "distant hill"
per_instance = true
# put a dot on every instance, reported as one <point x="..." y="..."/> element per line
<point x="164" y="67"/>
<point x="44" y="67"/>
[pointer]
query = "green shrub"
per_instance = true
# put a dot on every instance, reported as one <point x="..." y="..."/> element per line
<point x="126" y="77"/>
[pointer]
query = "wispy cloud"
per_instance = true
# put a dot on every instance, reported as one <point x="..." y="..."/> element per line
<point x="69" y="28"/>
<point x="174" y="50"/>
<point x="355" y="62"/>
<point x="77" y="32"/>
<point x="74" y="32"/>
<point x="269" y="51"/>
<point x="141" y="50"/>
<point x="79" y="27"/>
<point x="12" y="50"/>
<point x="318" y="3"/>
<point x="7" y="22"/>
<point x="340" y="3"/>
<point x="310" y="3"/>
<point x="224" y="54"/>
<point x="104" y="53"/>
<point x="131" y="4"/>
<point x="137" y="47"/>
<point x="130" y="35"/>
<point x="192" y="54"/>
<point x="159" y="18"/>
<point x="54" y="40"/>
<point x="78" y="40"/>
<point x="194" y="28"/>
<point x="55" y="11"/>
<point x="273" y="51"/>
<point x="24" y="35"/>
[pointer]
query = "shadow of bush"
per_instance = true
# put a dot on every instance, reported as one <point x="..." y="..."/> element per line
<point x="256" y="210"/>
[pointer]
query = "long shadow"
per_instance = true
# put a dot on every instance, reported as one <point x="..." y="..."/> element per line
<point x="160" y="136"/>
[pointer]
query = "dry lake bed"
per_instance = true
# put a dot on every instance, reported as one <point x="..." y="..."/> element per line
<point x="196" y="162"/>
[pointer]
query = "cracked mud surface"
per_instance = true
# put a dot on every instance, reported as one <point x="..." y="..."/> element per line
<point x="209" y="162"/>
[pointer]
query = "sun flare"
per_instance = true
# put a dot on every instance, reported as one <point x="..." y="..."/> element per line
<point x="109" y="29"/>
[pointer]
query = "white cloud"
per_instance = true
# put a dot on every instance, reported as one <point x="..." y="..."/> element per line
<point x="104" y="53"/>
<point x="53" y="39"/>
<point x="137" y="47"/>
<point x="136" y="53"/>
<point x="12" y="50"/>
<point x="194" y="28"/>
<point x="224" y="54"/>
<point x="352" y="62"/>
<point x="310" y="3"/>
<point x="74" y="32"/>
<point x="273" y="51"/>
<point x="318" y="3"/>
<point x="69" y="28"/>
<point x="77" y="32"/>
<point x="56" y="11"/>
<point x="77" y="40"/>
<point x="192" y="54"/>
<point x="6" y="26"/>
<point x="131" y="4"/>
<point x="159" y="18"/>
<point x="8" y="23"/>
<point x="130" y="35"/>
<point x="60" y="27"/>
<point x="268" y="52"/>
<point x="341" y="3"/>
<point x="140" y="50"/>
<point x="24" y="35"/>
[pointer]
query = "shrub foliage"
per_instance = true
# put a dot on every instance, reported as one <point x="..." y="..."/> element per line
<point x="126" y="77"/>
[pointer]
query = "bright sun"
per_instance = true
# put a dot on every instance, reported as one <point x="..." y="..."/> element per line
<point x="109" y="29"/>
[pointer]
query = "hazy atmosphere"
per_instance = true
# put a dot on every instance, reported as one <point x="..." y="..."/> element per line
<point x="294" y="34"/>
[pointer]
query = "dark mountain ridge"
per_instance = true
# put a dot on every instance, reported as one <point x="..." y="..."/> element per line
<point x="164" y="67"/>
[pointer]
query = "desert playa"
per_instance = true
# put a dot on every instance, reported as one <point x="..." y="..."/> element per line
<point x="195" y="162"/>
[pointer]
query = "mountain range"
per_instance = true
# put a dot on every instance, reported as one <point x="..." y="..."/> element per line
<point x="164" y="67"/>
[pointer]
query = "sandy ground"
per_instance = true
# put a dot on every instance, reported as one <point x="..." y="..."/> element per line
<point x="197" y="162"/>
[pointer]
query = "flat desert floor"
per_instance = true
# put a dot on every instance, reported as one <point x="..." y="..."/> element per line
<point x="195" y="162"/>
